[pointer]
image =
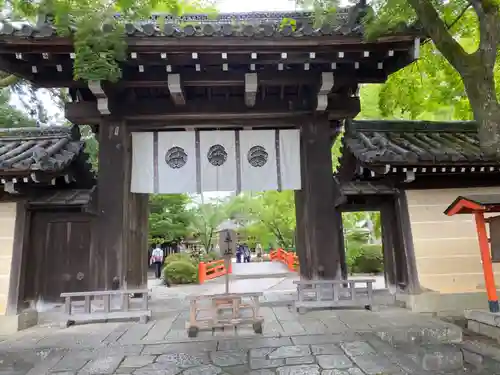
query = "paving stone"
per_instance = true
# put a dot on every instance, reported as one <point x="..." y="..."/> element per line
<point x="325" y="339"/>
<point x="104" y="365"/>
<point x="137" y="361"/>
<point x="63" y="373"/>
<point x="237" y="370"/>
<point x="182" y="360"/>
<point x="260" y="352"/>
<point x="376" y="365"/>
<point x="290" y="351"/>
<point x="266" y="342"/>
<point x="158" y="369"/>
<point x="292" y="328"/>
<point x="441" y="358"/>
<point x="262" y="372"/>
<point x="115" y="350"/>
<point x="299" y="360"/>
<point x="356" y="348"/>
<point x="195" y="347"/>
<point x="258" y="363"/>
<point x="299" y="370"/>
<point x="326" y="349"/>
<point x="351" y="371"/>
<point x="333" y="361"/>
<point x="124" y="370"/>
<point x="70" y="363"/>
<point x="203" y="370"/>
<point x="230" y="358"/>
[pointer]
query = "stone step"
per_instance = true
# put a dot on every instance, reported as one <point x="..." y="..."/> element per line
<point x="442" y="333"/>
<point x="437" y="357"/>
<point x="482" y="355"/>
<point x="422" y="359"/>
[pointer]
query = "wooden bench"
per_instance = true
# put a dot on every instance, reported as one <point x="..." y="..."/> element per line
<point x="333" y="293"/>
<point x="97" y="306"/>
<point x="216" y="305"/>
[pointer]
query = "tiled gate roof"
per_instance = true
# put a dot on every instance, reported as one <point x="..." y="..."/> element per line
<point x="415" y="143"/>
<point x="45" y="149"/>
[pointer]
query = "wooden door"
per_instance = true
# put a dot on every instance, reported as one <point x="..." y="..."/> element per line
<point x="58" y="255"/>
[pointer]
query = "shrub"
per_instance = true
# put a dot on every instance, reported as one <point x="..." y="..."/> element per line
<point x="364" y="258"/>
<point x="180" y="272"/>
<point x="178" y="257"/>
<point x="210" y="256"/>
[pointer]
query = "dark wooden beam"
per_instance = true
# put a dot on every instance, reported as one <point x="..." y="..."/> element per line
<point x="320" y="232"/>
<point x="15" y="303"/>
<point x="160" y="44"/>
<point x="209" y="77"/>
<point x="388" y="218"/>
<point x="203" y="110"/>
<point x="406" y="266"/>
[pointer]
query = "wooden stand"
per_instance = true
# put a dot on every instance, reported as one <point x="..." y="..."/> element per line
<point x="106" y="310"/>
<point x="322" y="294"/>
<point x="216" y="305"/>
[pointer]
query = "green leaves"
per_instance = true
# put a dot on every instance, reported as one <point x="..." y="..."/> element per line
<point x="169" y="218"/>
<point x="97" y="53"/>
<point x="11" y="117"/>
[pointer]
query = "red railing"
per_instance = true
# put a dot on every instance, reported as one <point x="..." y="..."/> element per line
<point x="289" y="258"/>
<point x="211" y="270"/>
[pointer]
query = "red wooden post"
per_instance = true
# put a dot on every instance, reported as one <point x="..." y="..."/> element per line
<point x="202" y="272"/>
<point x="489" y="277"/>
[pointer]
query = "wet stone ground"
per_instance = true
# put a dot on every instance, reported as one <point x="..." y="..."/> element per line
<point x="319" y="342"/>
<point x="346" y="354"/>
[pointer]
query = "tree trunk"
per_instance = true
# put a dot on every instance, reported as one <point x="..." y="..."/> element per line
<point x="476" y="69"/>
<point x="480" y="87"/>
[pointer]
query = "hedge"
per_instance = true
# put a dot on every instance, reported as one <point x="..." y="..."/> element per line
<point x="364" y="258"/>
<point x="180" y="272"/>
<point x="178" y="257"/>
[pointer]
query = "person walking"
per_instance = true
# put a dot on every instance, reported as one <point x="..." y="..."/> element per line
<point x="239" y="253"/>
<point x="157" y="260"/>
<point x="246" y="253"/>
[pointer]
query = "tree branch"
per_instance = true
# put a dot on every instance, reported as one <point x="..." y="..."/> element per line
<point x="489" y="28"/>
<point x="438" y="32"/>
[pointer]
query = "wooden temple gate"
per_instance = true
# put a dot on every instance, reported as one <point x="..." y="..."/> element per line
<point x="215" y="75"/>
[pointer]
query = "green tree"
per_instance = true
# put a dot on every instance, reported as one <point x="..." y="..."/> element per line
<point x="169" y="218"/>
<point x="266" y="215"/>
<point x="206" y="217"/>
<point x="10" y="116"/>
<point x="466" y="33"/>
<point x="99" y="41"/>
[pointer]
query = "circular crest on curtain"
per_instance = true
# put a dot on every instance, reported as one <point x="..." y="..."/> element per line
<point x="257" y="156"/>
<point x="217" y="155"/>
<point x="176" y="157"/>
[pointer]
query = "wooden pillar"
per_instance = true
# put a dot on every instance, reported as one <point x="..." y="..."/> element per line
<point x="343" y="260"/>
<point x="404" y="250"/>
<point x="319" y="226"/>
<point x="388" y="219"/>
<point x="119" y="244"/>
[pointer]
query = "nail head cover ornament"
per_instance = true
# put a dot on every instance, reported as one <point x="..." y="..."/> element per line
<point x="176" y="157"/>
<point x="217" y="155"/>
<point x="257" y="156"/>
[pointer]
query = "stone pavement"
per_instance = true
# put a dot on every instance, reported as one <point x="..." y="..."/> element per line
<point x="260" y="269"/>
<point x="339" y="342"/>
<point x="277" y="290"/>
